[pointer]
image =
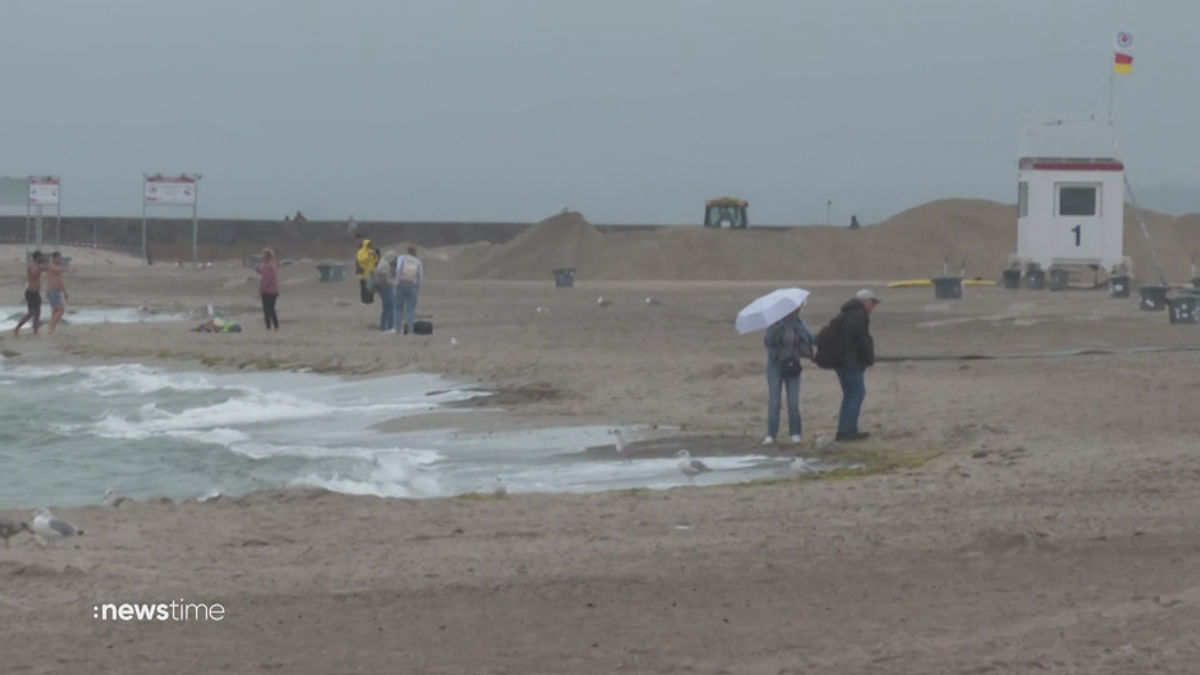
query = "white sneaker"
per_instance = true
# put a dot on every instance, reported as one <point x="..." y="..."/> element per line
<point x="769" y="440"/>
<point x="796" y="438"/>
<point x="390" y="331"/>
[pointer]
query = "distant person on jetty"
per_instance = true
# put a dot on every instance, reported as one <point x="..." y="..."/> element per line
<point x="787" y="341"/>
<point x="854" y="223"/>
<point x="383" y="279"/>
<point x="410" y="273"/>
<point x="853" y="351"/>
<point x="33" y="293"/>
<point x="365" y="262"/>
<point x="56" y="290"/>
<point x="268" y="287"/>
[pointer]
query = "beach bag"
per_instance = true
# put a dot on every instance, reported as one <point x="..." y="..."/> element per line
<point x="829" y="346"/>
<point x="423" y="328"/>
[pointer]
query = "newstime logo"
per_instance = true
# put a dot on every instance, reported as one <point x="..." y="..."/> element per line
<point x="173" y="611"/>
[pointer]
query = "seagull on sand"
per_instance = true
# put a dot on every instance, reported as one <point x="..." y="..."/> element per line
<point x="501" y="490"/>
<point x="602" y="302"/>
<point x="543" y="310"/>
<point x="113" y="499"/>
<point x="453" y="342"/>
<point x="622" y="445"/>
<point x="825" y="444"/>
<point x="690" y="467"/>
<point x="652" y="301"/>
<point x="47" y="527"/>
<point x="11" y="528"/>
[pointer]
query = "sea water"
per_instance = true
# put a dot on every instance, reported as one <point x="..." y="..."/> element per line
<point x="67" y="433"/>
<point x="10" y="315"/>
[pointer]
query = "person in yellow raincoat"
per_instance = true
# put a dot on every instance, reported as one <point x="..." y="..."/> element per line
<point x="366" y="260"/>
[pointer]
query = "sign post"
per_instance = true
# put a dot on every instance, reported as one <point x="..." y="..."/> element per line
<point x="46" y="191"/>
<point x="181" y="190"/>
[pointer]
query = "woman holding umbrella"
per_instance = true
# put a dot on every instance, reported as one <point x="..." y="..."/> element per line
<point x="787" y="341"/>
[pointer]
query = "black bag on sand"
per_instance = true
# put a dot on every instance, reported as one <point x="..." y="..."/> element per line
<point x="368" y="294"/>
<point x="423" y="328"/>
<point x="829" y="346"/>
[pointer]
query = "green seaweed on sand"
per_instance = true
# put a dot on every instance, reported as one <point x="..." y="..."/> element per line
<point x="859" y="463"/>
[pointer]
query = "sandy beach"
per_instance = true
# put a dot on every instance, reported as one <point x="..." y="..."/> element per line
<point x="1020" y="515"/>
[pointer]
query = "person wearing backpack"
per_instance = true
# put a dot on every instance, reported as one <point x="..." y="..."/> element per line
<point x="409" y="275"/>
<point x="382" y="280"/>
<point x="787" y="341"/>
<point x="846" y="346"/>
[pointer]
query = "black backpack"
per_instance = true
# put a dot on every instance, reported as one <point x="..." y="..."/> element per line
<point x="830" y="349"/>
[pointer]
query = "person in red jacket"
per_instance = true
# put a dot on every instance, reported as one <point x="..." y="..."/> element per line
<point x="268" y="287"/>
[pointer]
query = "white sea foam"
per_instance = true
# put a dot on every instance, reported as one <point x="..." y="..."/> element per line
<point x="138" y="379"/>
<point x="392" y="474"/>
<point x="256" y="407"/>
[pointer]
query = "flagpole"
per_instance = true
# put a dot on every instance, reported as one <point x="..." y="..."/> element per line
<point x="1112" y="86"/>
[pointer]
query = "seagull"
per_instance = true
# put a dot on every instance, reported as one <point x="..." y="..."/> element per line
<point x="825" y="443"/>
<point x="11" y="528"/>
<point x="602" y="302"/>
<point x="501" y="490"/>
<point x="802" y="466"/>
<point x="543" y="310"/>
<point x="652" y="301"/>
<point x="564" y="209"/>
<point x="621" y="445"/>
<point x="113" y="499"/>
<point x="453" y="342"/>
<point x="47" y="527"/>
<point x="690" y="467"/>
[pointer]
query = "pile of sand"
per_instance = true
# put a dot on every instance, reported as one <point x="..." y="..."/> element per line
<point x="566" y="240"/>
<point x="979" y="235"/>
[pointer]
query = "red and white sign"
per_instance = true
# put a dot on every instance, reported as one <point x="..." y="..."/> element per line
<point x="167" y="190"/>
<point x="44" y="191"/>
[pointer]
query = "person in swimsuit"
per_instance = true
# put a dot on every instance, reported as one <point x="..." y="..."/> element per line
<point x="33" y="294"/>
<point x="56" y="290"/>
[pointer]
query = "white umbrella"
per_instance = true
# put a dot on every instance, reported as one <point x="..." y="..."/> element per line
<point x="770" y="308"/>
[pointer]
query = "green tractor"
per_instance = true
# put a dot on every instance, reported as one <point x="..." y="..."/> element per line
<point x="726" y="212"/>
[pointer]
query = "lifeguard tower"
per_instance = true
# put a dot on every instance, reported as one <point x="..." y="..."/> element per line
<point x="1070" y="201"/>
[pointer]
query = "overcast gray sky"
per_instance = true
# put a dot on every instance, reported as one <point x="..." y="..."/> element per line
<point x="627" y="110"/>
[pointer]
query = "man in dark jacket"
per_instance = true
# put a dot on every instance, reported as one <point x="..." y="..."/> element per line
<point x="854" y="327"/>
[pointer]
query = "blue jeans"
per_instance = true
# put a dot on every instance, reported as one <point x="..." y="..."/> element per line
<point x="387" y="321"/>
<point x="406" y="305"/>
<point x="854" y="390"/>
<point x="775" y="384"/>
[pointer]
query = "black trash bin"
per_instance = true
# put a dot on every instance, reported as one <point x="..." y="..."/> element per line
<point x="1118" y="286"/>
<point x="1184" y="308"/>
<point x="1036" y="279"/>
<point x="1059" y="280"/>
<point x="947" y="288"/>
<point x="565" y="277"/>
<point x="1154" y="298"/>
<point x="1012" y="279"/>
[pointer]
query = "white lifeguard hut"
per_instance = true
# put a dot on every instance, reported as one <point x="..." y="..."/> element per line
<point x="1070" y="198"/>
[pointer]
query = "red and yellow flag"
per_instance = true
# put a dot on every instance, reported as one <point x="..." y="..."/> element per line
<point x="1122" y="64"/>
